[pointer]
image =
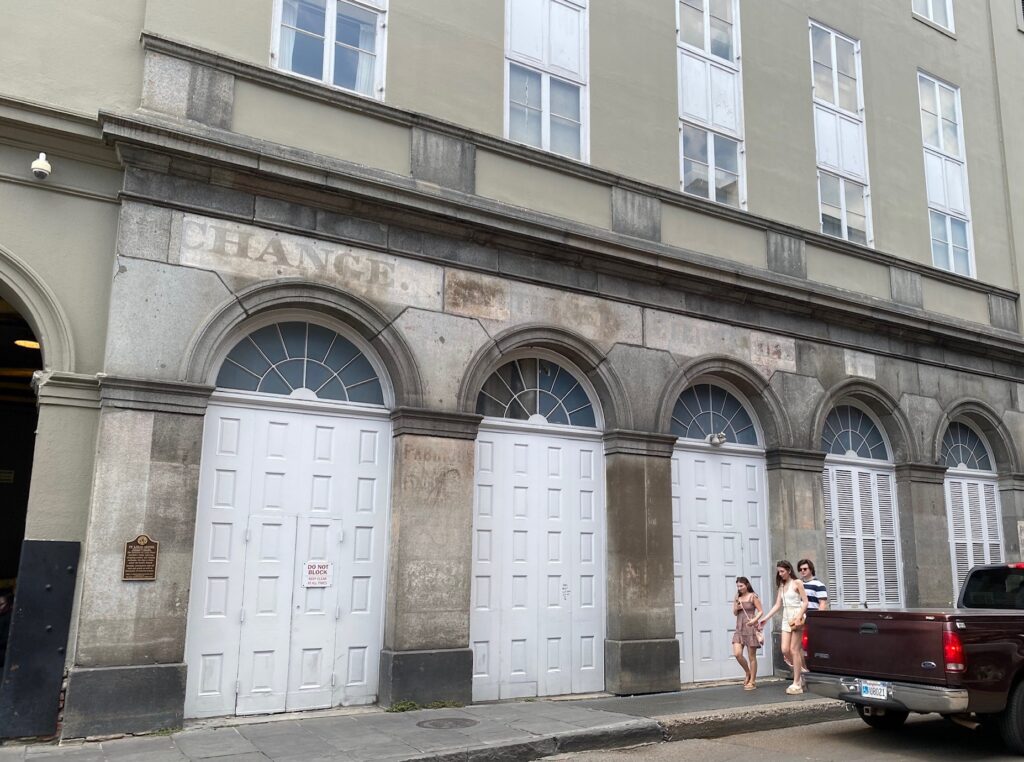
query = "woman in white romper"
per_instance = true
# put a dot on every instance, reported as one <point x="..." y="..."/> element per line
<point x="792" y="599"/>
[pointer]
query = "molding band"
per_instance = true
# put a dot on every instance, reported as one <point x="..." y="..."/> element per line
<point x="434" y="423"/>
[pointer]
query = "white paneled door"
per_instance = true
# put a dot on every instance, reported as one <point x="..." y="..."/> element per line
<point x="286" y="602"/>
<point x="719" y="528"/>
<point x="537" y="618"/>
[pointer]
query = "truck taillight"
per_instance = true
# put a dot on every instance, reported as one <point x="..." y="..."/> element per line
<point x="953" y="651"/>
<point x="803" y="640"/>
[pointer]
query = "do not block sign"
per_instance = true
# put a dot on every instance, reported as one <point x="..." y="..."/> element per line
<point x="317" y="574"/>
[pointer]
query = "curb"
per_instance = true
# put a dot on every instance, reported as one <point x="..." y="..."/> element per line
<point x="728" y="722"/>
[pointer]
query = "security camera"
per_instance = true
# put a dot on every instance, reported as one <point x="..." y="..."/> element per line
<point x="41" y="167"/>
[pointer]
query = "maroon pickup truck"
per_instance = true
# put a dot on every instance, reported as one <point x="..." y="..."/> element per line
<point x="966" y="663"/>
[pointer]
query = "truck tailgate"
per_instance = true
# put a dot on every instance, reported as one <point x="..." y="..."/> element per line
<point x="891" y="645"/>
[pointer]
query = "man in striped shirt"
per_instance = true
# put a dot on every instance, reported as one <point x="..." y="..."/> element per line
<point x="817" y="595"/>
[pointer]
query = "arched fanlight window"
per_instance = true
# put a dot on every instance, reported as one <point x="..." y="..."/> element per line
<point x="704" y="410"/>
<point x="536" y="390"/>
<point x="963" y="448"/>
<point x="849" y="431"/>
<point x="286" y="357"/>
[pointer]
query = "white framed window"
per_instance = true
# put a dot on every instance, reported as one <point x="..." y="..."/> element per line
<point x="711" y="148"/>
<point x="338" y="42"/>
<point x="945" y="169"/>
<point x="546" y="69"/>
<point x="838" y="102"/>
<point x="939" y="12"/>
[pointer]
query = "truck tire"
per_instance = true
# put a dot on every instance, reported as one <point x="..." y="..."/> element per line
<point x="891" y="720"/>
<point x="1011" y="721"/>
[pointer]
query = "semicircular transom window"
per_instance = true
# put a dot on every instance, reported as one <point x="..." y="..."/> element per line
<point x="849" y="431"/>
<point x="963" y="448"/>
<point x="301" y="359"/>
<point x="705" y="410"/>
<point x="538" y="391"/>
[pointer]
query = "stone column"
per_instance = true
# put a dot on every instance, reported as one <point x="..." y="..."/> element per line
<point x="128" y="673"/>
<point x="641" y="653"/>
<point x="924" y="535"/>
<point x="1011" y="504"/>
<point x="796" y="510"/>
<point x="426" y="654"/>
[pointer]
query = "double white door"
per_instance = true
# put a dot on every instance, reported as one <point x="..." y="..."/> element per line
<point x="537" y="621"/>
<point x="719" y="532"/>
<point x="286" y="602"/>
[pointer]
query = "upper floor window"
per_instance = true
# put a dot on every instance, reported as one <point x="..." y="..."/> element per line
<point x="546" y="75"/>
<point x="945" y="167"/>
<point x="844" y="199"/>
<point x="937" y="11"/>
<point x="711" y="153"/>
<point x="334" y="41"/>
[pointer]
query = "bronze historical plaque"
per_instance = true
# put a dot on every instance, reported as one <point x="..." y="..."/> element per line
<point x="140" y="559"/>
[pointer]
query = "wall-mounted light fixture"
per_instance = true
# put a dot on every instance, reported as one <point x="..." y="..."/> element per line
<point x="27" y="343"/>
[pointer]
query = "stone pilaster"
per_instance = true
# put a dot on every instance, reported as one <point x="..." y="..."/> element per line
<point x="924" y="534"/>
<point x="128" y="672"/>
<point x="641" y="651"/>
<point x="1011" y="503"/>
<point x="796" y="512"/>
<point x="426" y="655"/>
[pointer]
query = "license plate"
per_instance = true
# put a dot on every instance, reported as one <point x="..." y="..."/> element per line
<point x="873" y="689"/>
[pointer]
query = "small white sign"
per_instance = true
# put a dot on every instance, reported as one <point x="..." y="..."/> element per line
<point x="317" y="574"/>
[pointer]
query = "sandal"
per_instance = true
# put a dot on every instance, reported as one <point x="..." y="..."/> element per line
<point x="749" y="687"/>
<point x="794" y="690"/>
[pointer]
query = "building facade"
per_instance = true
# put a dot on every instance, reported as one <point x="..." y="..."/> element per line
<point x="469" y="351"/>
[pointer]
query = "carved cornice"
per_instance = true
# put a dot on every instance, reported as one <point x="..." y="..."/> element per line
<point x="795" y="459"/>
<point x="66" y="389"/>
<point x="154" y="396"/>
<point x="644" y="443"/>
<point x="922" y="473"/>
<point x="434" y="423"/>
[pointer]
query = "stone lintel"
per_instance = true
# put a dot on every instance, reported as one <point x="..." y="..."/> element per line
<point x="426" y="676"/>
<point x="434" y="423"/>
<point x="645" y="443"/>
<point x="66" y="389"/>
<point x="795" y="459"/>
<point x="155" y="396"/>
<point x="925" y="473"/>
<point x="641" y="666"/>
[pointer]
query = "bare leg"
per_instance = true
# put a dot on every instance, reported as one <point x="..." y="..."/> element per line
<point x="737" y="651"/>
<point x="788" y="638"/>
<point x="796" y="643"/>
<point x="752" y="658"/>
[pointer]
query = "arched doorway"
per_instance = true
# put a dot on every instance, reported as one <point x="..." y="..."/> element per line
<point x="861" y="515"/>
<point x="286" y="605"/>
<point x="719" y="525"/>
<point x="972" y="501"/>
<point x="537" y="620"/>
<point x="20" y="357"/>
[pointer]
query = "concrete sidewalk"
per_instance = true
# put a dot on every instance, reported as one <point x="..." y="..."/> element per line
<point x="514" y="730"/>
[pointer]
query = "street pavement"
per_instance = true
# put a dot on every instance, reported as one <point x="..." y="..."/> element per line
<point x="506" y="731"/>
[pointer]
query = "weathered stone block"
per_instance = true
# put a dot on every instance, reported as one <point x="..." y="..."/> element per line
<point x="144" y="231"/>
<point x="443" y="160"/>
<point x="636" y="214"/>
<point x="426" y="676"/>
<point x="906" y="287"/>
<point x="786" y="255"/>
<point x="1002" y="313"/>
<point x="641" y="666"/>
<point x="277" y="212"/>
<point x="124" y="700"/>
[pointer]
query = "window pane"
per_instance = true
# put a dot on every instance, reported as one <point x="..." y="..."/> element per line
<point x="565" y="137"/>
<point x="938" y="226"/>
<point x="831" y="224"/>
<point x="947" y="102"/>
<point x="524" y="87"/>
<point x="691" y="23"/>
<point x="725" y="154"/>
<point x="926" y="88"/>
<point x="829" y="185"/>
<point x="524" y="124"/>
<point x="308" y="15"/>
<point x="565" y="100"/>
<point x="848" y="93"/>
<point x="930" y="129"/>
<point x="845" y="57"/>
<point x="950" y="138"/>
<point x="721" y="39"/>
<point x="821" y="46"/>
<point x="959" y="230"/>
<point x="961" y="261"/>
<point x="854" y="198"/>
<point x="940" y="255"/>
<point x="941" y="16"/>
<point x="856" y="229"/>
<point x="823" y="83"/>
<point x="722" y="9"/>
<point x="695" y="144"/>
<point x="353" y="69"/>
<point x="302" y="53"/>
<point x="524" y="115"/>
<point x="727" y="188"/>
<point x="356" y="27"/>
<point x="695" y="178"/>
<point x="921" y="7"/>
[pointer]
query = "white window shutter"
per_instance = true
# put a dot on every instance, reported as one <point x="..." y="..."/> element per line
<point x="695" y="87"/>
<point x="723" y="99"/>
<point x="955" y="186"/>
<point x="993" y="524"/>
<point x="934" y="179"/>
<point x="889" y="537"/>
<point x="830" y="553"/>
<point x="851" y="145"/>
<point x="869" y="540"/>
<point x="565" y="38"/>
<point x="850" y="570"/>
<point x="825" y="123"/>
<point x="960" y="557"/>
<point x="526" y="28"/>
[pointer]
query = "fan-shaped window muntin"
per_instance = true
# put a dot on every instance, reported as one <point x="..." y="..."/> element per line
<point x="850" y="431"/>
<point x="705" y="409"/>
<point x="963" y="448"/>
<point x="535" y="389"/>
<point x="285" y="357"/>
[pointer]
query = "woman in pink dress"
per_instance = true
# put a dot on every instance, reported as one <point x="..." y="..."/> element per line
<point x="747" y="608"/>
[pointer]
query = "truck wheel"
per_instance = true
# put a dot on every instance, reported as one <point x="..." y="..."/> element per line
<point x="891" y="720"/>
<point x="1011" y="721"/>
